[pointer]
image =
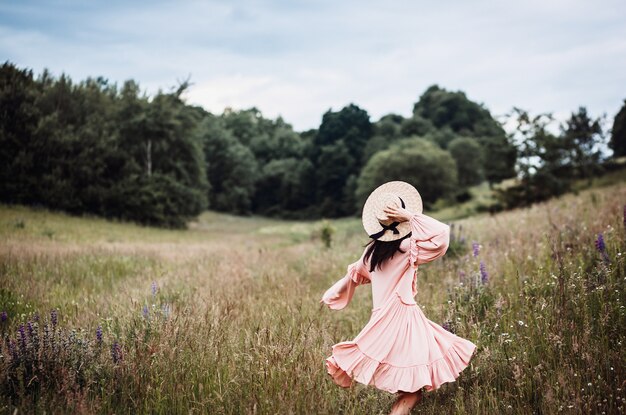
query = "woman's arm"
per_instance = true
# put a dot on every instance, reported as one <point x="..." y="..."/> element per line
<point x="339" y="295"/>
<point x="429" y="237"/>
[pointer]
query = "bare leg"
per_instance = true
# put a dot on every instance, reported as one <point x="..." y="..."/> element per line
<point x="405" y="402"/>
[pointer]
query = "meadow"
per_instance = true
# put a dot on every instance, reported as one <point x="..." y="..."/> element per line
<point x="224" y="317"/>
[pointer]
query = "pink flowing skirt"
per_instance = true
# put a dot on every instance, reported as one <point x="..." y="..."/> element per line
<point x="400" y="350"/>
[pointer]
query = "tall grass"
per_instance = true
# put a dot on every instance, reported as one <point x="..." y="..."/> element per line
<point x="224" y="318"/>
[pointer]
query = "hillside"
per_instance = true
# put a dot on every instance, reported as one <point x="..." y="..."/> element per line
<point x="224" y="317"/>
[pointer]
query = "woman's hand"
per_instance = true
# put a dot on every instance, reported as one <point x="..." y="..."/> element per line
<point x="398" y="214"/>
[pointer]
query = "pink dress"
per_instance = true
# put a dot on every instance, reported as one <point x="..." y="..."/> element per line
<point x="399" y="349"/>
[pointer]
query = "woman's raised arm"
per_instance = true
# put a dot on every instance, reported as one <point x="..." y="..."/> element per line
<point x="429" y="239"/>
<point x="339" y="295"/>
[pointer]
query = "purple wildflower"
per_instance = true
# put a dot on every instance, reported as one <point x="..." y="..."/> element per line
<point x="116" y="352"/>
<point x="475" y="248"/>
<point x="166" y="310"/>
<point x="462" y="276"/>
<point x="47" y="336"/>
<point x="22" y="333"/>
<point x="54" y="317"/>
<point x="155" y="288"/>
<point x="145" y="311"/>
<point x="624" y="216"/>
<point x="36" y="317"/>
<point x="31" y="329"/>
<point x="4" y="316"/>
<point x="446" y="326"/>
<point x="484" y="277"/>
<point x="13" y="350"/>
<point x="99" y="334"/>
<point x="601" y="247"/>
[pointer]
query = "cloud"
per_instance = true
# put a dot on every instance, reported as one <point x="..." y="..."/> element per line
<point x="298" y="59"/>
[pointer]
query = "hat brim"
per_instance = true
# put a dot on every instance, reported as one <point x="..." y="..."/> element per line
<point x="377" y="201"/>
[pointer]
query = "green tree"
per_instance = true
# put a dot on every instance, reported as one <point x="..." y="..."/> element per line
<point x="231" y="168"/>
<point x="499" y="158"/>
<point x="283" y="187"/>
<point x="278" y="143"/>
<point x="351" y="124"/>
<point x="71" y="143"/>
<point x="618" y="133"/>
<point x="416" y="126"/>
<point x="157" y="200"/>
<point x="453" y="109"/>
<point x="430" y="169"/>
<point x="542" y="161"/>
<point x="583" y="137"/>
<point x="388" y="126"/>
<point x="88" y="147"/>
<point x="19" y="116"/>
<point x="385" y="131"/>
<point x="453" y="114"/>
<point x="337" y="153"/>
<point x="442" y="137"/>
<point x="468" y="155"/>
<point x="161" y="154"/>
<point x="244" y="125"/>
<point x="335" y="165"/>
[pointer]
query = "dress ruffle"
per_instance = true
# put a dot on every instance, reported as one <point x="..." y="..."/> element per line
<point x="339" y="295"/>
<point x="429" y="239"/>
<point x="413" y="252"/>
<point x="423" y="355"/>
<point x="356" y="276"/>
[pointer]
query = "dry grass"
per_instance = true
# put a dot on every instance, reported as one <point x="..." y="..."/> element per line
<point x="242" y="330"/>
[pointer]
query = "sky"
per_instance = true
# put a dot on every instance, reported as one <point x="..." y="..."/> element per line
<point x="298" y="59"/>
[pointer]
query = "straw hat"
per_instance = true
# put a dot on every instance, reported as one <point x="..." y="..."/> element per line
<point x="375" y="221"/>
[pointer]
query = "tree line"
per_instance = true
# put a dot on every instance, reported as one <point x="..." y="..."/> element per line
<point x="99" y="148"/>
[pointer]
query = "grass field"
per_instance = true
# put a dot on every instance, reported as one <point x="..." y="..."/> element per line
<point x="223" y="318"/>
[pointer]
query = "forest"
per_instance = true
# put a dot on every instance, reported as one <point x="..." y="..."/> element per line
<point x="95" y="147"/>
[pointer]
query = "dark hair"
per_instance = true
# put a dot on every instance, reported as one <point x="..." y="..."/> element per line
<point x="382" y="251"/>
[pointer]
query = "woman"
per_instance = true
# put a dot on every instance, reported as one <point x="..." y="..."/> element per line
<point x="399" y="350"/>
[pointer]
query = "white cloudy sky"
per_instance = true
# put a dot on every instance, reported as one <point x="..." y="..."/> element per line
<point x="298" y="58"/>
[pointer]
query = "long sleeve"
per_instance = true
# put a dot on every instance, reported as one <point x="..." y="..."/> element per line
<point x="339" y="295"/>
<point x="429" y="239"/>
